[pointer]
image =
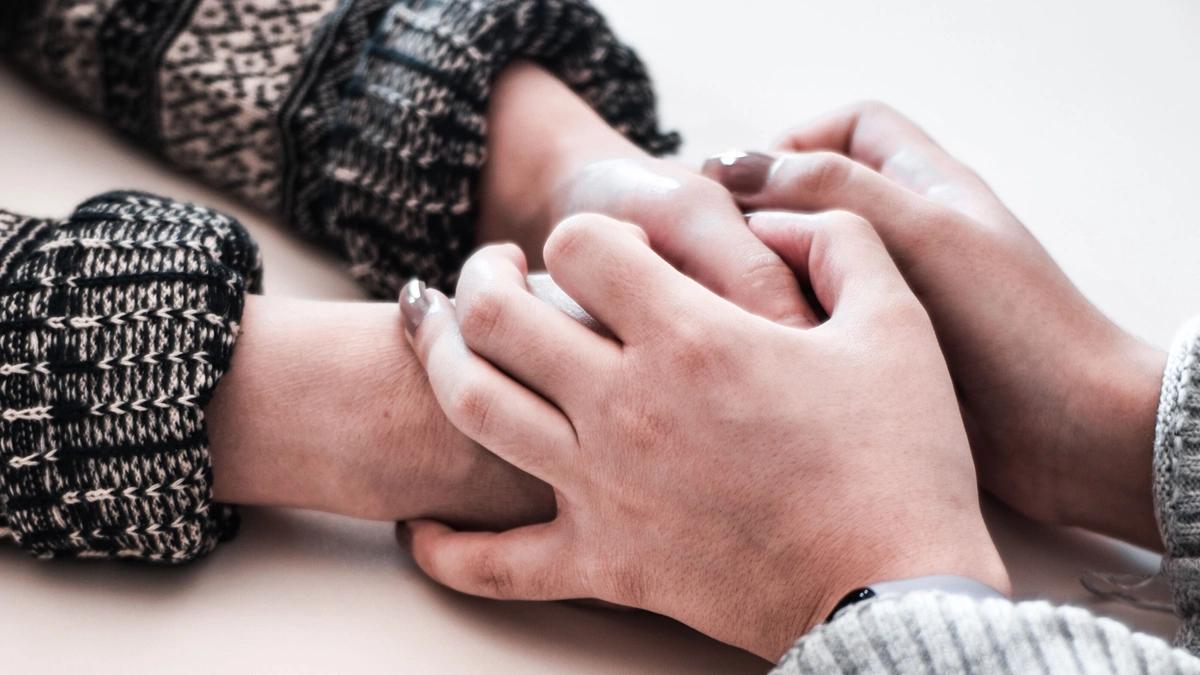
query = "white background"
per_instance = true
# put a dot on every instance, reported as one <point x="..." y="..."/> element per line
<point x="1082" y="116"/>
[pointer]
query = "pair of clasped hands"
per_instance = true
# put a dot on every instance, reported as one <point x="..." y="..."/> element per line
<point x="755" y="389"/>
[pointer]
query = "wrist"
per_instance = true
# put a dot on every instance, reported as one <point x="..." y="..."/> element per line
<point x="1108" y="483"/>
<point x="955" y="548"/>
<point x="325" y="407"/>
<point x="296" y="417"/>
<point x="540" y="135"/>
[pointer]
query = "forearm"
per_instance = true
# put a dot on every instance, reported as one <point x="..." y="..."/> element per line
<point x="324" y="407"/>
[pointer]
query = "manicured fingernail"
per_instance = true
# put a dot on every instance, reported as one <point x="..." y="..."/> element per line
<point x="404" y="535"/>
<point x="742" y="173"/>
<point x="414" y="305"/>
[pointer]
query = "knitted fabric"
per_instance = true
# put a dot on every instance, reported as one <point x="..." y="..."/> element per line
<point x="934" y="633"/>
<point x="1177" y="478"/>
<point x="115" y="326"/>
<point x="361" y="122"/>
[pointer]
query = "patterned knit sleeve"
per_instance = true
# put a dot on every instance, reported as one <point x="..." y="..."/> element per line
<point x="362" y="123"/>
<point x="1177" y="479"/>
<point x="930" y="633"/>
<point x="115" y="326"/>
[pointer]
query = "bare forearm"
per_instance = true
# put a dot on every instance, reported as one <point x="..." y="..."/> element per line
<point x="325" y="408"/>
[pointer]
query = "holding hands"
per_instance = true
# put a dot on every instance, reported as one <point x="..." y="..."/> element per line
<point x="1059" y="401"/>
<point x="708" y="464"/>
<point x="721" y="452"/>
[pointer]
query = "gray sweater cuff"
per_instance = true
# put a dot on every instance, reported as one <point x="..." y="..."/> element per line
<point x="1177" y="478"/>
<point x="932" y="632"/>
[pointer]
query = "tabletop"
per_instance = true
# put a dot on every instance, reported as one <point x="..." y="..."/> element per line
<point x="1082" y="120"/>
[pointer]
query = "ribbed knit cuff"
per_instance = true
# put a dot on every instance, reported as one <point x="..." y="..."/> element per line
<point x="930" y="632"/>
<point x="1177" y="478"/>
<point x="115" y="326"/>
<point x="403" y="121"/>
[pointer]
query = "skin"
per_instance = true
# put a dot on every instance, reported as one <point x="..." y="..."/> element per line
<point x="584" y="167"/>
<point x="1059" y="401"/>
<point x="774" y="478"/>
<point x="312" y="415"/>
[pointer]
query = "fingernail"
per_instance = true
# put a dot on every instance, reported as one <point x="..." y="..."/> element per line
<point x="414" y="305"/>
<point x="404" y="535"/>
<point x="742" y="173"/>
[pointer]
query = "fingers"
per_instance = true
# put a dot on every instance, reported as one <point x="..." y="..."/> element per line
<point x="618" y="279"/>
<point x="483" y="403"/>
<point x="527" y="563"/>
<point x="881" y="138"/>
<point x="532" y="341"/>
<point x="821" y="181"/>
<point x="841" y="255"/>
<point x="715" y="248"/>
<point x="694" y="225"/>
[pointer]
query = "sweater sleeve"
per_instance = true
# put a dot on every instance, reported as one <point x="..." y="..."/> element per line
<point x="1177" y="479"/>
<point x="116" y="324"/>
<point x="362" y="123"/>
<point x="933" y="633"/>
<point x="939" y="633"/>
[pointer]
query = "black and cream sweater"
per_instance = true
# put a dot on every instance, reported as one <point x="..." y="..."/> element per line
<point x="360" y="123"/>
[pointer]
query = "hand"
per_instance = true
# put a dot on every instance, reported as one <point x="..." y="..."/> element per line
<point x="1059" y="401"/>
<point x="738" y="475"/>
<point x="325" y="407"/>
<point x="536" y="178"/>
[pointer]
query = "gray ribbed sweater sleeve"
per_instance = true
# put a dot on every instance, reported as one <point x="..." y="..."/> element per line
<point x="931" y="632"/>
<point x="1177" y="479"/>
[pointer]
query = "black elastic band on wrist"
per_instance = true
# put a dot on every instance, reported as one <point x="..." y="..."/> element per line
<point x="853" y="597"/>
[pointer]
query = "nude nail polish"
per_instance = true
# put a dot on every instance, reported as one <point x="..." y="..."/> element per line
<point x="742" y="173"/>
<point x="414" y="305"/>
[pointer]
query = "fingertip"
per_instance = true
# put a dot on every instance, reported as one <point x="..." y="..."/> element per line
<point x="780" y="231"/>
<point x="421" y="536"/>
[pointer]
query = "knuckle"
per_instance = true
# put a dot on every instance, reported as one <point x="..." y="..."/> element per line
<point x="823" y="173"/>
<point x="493" y="576"/>
<point x="480" y="319"/>
<point x="572" y="237"/>
<point x="471" y="406"/>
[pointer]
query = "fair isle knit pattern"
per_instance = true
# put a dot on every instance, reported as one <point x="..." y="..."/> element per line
<point x="115" y="326"/>
<point x="361" y="122"/>
<point x="930" y="633"/>
<point x="1177" y="478"/>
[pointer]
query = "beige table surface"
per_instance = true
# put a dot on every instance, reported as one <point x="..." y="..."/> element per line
<point x="1083" y="117"/>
